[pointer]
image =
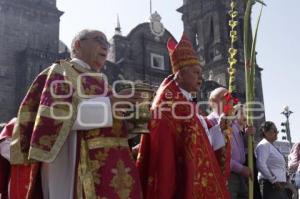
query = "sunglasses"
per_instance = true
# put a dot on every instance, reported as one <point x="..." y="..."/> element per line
<point x="100" y="40"/>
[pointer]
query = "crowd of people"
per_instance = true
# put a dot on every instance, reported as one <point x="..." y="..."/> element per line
<point x="66" y="141"/>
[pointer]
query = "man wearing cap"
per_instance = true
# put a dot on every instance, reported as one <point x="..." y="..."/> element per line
<point x="176" y="160"/>
<point x="65" y="134"/>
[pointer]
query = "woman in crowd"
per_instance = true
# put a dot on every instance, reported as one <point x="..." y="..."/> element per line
<point x="293" y="164"/>
<point x="270" y="164"/>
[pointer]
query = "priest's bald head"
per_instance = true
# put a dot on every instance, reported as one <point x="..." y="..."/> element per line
<point x="217" y="99"/>
<point x="90" y="46"/>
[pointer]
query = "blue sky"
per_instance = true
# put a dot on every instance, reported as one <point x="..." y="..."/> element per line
<point x="278" y="44"/>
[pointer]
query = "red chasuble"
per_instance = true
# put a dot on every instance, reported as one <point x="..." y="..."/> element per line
<point x="16" y="181"/>
<point x="104" y="165"/>
<point x="223" y="156"/>
<point x="176" y="160"/>
<point x="4" y="177"/>
<point x="4" y="164"/>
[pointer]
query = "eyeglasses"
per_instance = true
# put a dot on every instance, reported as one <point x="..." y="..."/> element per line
<point x="100" y="40"/>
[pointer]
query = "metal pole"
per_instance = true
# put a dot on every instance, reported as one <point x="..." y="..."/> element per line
<point x="288" y="131"/>
<point x="286" y="112"/>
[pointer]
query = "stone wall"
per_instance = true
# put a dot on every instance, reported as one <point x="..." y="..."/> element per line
<point x="24" y="25"/>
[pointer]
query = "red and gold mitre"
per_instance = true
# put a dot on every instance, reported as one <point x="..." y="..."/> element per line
<point x="182" y="54"/>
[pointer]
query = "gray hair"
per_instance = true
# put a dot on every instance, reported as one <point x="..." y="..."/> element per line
<point x="79" y="36"/>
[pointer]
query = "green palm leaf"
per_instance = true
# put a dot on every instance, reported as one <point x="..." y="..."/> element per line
<point x="250" y="64"/>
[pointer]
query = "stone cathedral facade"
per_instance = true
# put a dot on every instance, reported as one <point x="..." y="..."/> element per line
<point x="29" y="42"/>
<point x="206" y="23"/>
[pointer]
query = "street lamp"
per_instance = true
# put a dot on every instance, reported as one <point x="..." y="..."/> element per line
<point x="287" y="112"/>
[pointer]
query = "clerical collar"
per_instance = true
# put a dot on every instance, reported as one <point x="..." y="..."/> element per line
<point x="186" y="94"/>
<point x="81" y="63"/>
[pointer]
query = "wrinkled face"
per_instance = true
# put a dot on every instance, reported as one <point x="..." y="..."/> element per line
<point x="191" y="78"/>
<point x="93" y="49"/>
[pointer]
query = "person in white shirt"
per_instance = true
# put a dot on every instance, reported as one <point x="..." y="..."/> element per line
<point x="271" y="164"/>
